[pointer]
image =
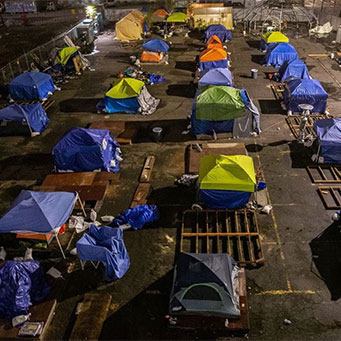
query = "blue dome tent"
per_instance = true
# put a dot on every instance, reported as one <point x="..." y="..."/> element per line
<point x="218" y="76"/>
<point x="305" y="91"/>
<point x="328" y="133"/>
<point x="293" y="69"/>
<point x="157" y="45"/>
<point x="278" y="53"/>
<point x="218" y="30"/>
<point x="87" y="150"/>
<point x="31" y="86"/>
<point x="32" y="114"/>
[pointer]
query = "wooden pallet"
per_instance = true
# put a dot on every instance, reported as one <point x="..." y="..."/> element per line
<point x="46" y="104"/>
<point x="124" y="132"/>
<point x="215" y="323"/>
<point x="278" y="89"/>
<point x="147" y="169"/>
<point x="223" y="231"/>
<point x="141" y="194"/>
<point x="194" y="155"/>
<point x="324" y="173"/>
<point x="94" y="309"/>
<point x="294" y="122"/>
<point x="330" y="196"/>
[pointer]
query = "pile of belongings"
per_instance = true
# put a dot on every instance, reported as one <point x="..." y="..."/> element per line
<point x="87" y="150"/>
<point x="22" y="284"/>
<point x="147" y="78"/>
<point x="128" y="95"/>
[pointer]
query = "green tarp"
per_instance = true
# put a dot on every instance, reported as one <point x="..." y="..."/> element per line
<point x="218" y="103"/>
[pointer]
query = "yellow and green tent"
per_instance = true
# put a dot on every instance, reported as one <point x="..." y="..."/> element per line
<point x="125" y="88"/>
<point x="275" y="37"/>
<point x="177" y="17"/>
<point x="230" y="173"/>
<point x="64" y="54"/>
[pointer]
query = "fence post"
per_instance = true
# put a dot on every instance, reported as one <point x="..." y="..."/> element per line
<point x="41" y="58"/>
<point x="10" y="67"/>
<point x="4" y="76"/>
<point x="28" y="66"/>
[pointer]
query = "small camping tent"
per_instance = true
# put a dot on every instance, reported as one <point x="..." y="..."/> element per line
<point x="272" y="37"/>
<point x="131" y="27"/>
<point x="223" y="109"/>
<point x="278" y="53"/>
<point x="87" y="150"/>
<point x="159" y="15"/>
<point x="328" y="133"/>
<point x="177" y="17"/>
<point x="293" y="69"/>
<point x="154" y="50"/>
<point x="205" y="284"/>
<point x="214" y="42"/>
<point x="226" y="181"/>
<point x="65" y="56"/>
<point x="213" y="58"/>
<point x="31" y="86"/>
<point x="33" y="115"/>
<point x="305" y="91"/>
<point x="218" y="76"/>
<point x="218" y="30"/>
<point x="128" y="95"/>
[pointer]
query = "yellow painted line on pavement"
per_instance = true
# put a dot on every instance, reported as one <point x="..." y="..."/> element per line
<point x="285" y="292"/>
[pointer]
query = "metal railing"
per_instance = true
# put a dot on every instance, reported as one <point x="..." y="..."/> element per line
<point x="23" y="63"/>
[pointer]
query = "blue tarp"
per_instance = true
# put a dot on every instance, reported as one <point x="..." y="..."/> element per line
<point x="21" y="285"/>
<point x="157" y="45"/>
<point x="33" y="114"/>
<point x="217" y="76"/>
<point x="105" y="244"/>
<point x="223" y="63"/>
<point x="278" y="53"/>
<point x="219" y="199"/>
<point x="293" y="69"/>
<point x="328" y="132"/>
<point x="31" y="86"/>
<point x="218" y="30"/>
<point x="137" y="216"/>
<point x="122" y="105"/>
<point x="87" y="150"/>
<point x="305" y="91"/>
<point x="39" y="212"/>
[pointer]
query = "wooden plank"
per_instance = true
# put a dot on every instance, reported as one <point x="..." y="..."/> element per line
<point x="70" y="179"/>
<point x="90" y="320"/>
<point x="330" y="196"/>
<point x="103" y="178"/>
<point x="194" y="155"/>
<point x="221" y="234"/>
<point x="216" y="323"/>
<point x="323" y="171"/>
<point x="147" y="169"/>
<point x="141" y="194"/>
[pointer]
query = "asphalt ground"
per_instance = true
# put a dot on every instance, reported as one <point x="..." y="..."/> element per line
<point x="288" y="286"/>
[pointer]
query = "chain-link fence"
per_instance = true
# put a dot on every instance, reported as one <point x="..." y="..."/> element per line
<point x="23" y="63"/>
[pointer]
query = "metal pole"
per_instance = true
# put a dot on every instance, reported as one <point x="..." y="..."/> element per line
<point x="10" y="67"/>
<point x="28" y="66"/>
<point x="60" y="246"/>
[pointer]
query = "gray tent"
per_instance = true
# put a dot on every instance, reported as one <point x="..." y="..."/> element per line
<point x="205" y="284"/>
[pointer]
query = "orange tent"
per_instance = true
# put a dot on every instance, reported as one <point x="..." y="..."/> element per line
<point x="151" y="56"/>
<point x="210" y="55"/>
<point x="214" y="43"/>
<point x="161" y="12"/>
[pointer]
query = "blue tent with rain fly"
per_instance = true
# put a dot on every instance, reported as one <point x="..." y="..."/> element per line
<point x="293" y="69"/>
<point x="305" y="91"/>
<point x="105" y="244"/>
<point x="219" y="31"/>
<point x="157" y="45"/>
<point x="278" y="53"/>
<point x="328" y="133"/>
<point x="31" y="86"/>
<point x="218" y="76"/>
<point x="40" y="212"/>
<point x="33" y="115"/>
<point x="87" y="150"/>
